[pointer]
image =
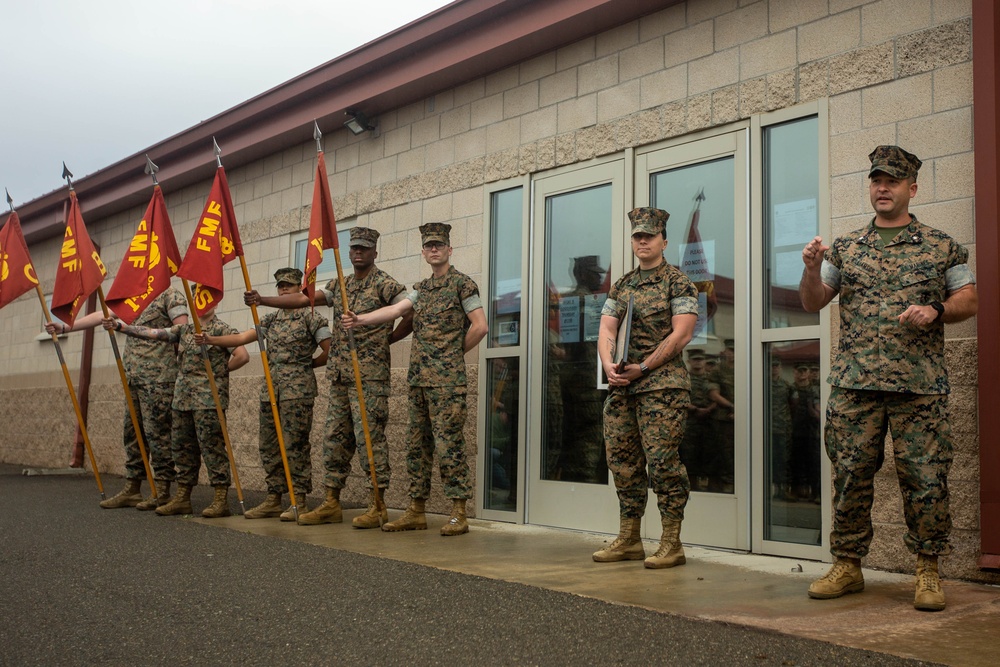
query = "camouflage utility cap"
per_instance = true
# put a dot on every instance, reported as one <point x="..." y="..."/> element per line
<point x="364" y="236"/>
<point x="435" y="231"/>
<point x="288" y="275"/>
<point x="894" y="161"/>
<point x="647" y="220"/>
<point x="696" y="353"/>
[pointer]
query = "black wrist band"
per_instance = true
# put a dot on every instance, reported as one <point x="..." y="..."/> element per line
<point x="939" y="307"/>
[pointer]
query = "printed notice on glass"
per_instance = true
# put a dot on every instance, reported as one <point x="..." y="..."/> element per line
<point x="593" y="304"/>
<point x="698" y="261"/>
<point x="569" y="319"/>
<point x="795" y="223"/>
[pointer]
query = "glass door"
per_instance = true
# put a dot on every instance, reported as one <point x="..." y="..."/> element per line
<point x="792" y="471"/>
<point x="577" y="251"/>
<point x="703" y="185"/>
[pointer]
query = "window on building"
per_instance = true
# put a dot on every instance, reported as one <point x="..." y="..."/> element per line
<point x="327" y="270"/>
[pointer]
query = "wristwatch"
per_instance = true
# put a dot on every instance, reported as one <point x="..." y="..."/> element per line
<point x="939" y="307"/>
<point x="644" y="369"/>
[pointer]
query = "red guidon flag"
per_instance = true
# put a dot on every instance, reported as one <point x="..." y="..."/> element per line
<point x="80" y="269"/>
<point x="322" y="228"/>
<point x="151" y="260"/>
<point x="216" y="242"/>
<point x="17" y="275"/>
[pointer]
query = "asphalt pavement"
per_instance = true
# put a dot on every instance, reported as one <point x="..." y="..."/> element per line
<point x="84" y="586"/>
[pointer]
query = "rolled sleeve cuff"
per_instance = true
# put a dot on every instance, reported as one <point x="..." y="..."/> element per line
<point x="958" y="277"/>
<point x="830" y="275"/>
<point x="472" y="303"/>
<point x="612" y="309"/>
<point x="684" y="305"/>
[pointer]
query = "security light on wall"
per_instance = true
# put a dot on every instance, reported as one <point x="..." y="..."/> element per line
<point x="358" y="123"/>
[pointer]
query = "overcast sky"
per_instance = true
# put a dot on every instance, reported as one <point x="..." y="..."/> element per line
<point x="90" y="82"/>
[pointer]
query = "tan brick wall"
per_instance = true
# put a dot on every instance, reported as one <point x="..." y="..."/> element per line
<point x="894" y="71"/>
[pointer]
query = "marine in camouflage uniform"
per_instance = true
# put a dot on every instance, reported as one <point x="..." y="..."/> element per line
<point x="151" y="369"/>
<point x="804" y="460"/>
<point x="722" y="390"/>
<point x="368" y="289"/>
<point x="291" y="339"/>
<point x="898" y="281"/>
<point x="699" y="429"/>
<point x="448" y="321"/>
<point x="196" y="431"/>
<point x="647" y="403"/>
<point x="780" y="429"/>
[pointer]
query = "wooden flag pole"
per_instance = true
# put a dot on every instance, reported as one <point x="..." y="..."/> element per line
<point x="379" y="505"/>
<point x="72" y="393"/>
<point x="215" y="395"/>
<point x="128" y="397"/>
<point x="267" y="375"/>
<point x="270" y="393"/>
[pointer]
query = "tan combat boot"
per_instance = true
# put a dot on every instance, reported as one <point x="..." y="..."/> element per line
<point x="160" y="497"/>
<point x="671" y="551"/>
<point x="412" y="519"/>
<point x="179" y="504"/>
<point x="270" y="508"/>
<point x="329" y="512"/>
<point x="930" y="594"/>
<point x="457" y="524"/>
<point x="301" y="504"/>
<point x="372" y="518"/>
<point x="220" y="504"/>
<point x="127" y="497"/>
<point x="844" y="577"/>
<point x="627" y="546"/>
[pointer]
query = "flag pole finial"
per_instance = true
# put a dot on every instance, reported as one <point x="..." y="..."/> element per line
<point x="10" y="200"/>
<point x="701" y="195"/>
<point x="151" y="169"/>
<point x="218" y="152"/>
<point x="318" y="136"/>
<point x="68" y="175"/>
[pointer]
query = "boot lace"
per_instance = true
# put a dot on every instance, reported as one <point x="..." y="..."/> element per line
<point x="665" y="548"/>
<point x="839" y="570"/>
<point x="619" y="543"/>
<point x="928" y="581"/>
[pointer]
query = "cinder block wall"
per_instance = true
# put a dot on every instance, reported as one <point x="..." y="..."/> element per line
<point x="894" y="71"/>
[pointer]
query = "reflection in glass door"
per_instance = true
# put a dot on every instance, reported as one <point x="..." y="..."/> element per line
<point x="702" y="184"/>
<point x="793" y="466"/>
<point x="700" y="232"/>
<point x="577" y="214"/>
<point x="577" y="279"/>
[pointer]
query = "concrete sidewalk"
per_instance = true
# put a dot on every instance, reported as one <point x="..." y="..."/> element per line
<point x="755" y="591"/>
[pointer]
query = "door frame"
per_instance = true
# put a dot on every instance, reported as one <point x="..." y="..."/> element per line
<point x="716" y="520"/>
<point x="578" y="506"/>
